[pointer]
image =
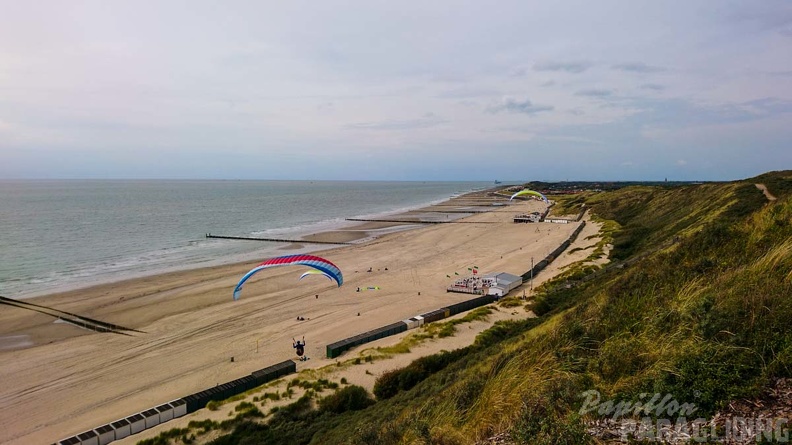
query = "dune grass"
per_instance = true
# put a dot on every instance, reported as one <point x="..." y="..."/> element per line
<point x="697" y="306"/>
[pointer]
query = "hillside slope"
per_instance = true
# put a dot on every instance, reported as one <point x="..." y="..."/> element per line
<point x="695" y="305"/>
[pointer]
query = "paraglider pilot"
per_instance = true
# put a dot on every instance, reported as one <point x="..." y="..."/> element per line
<point x="300" y="347"/>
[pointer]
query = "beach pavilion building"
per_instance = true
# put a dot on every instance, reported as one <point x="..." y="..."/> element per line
<point x="500" y="284"/>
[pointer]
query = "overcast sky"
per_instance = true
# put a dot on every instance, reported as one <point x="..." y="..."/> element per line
<point x="429" y="90"/>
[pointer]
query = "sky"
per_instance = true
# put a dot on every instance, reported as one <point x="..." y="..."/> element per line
<point x="366" y="90"/>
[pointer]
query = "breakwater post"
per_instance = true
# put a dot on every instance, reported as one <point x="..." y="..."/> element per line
<point x="273" y="240"/>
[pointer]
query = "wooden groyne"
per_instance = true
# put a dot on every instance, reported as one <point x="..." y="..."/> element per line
<point x="273" y="240"/>
<point x="68" y="317"/>
<point x="450" y="211"/>
<point x="403" y="221"/>
<point x="470" y="204"/>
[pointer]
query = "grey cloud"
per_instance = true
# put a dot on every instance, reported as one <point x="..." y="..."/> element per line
<point x="683" y="112"/>
<point x="427" y="121"/>
<point x="594" y="92"/>
<point x="326" y="107"/>
<point x="468" y="92"/>
<point x="569" y="67"/>
<point x="652" y="86"/>
<point x="549" y="83"/>
<point x="769" y="105"/>
<point x="638" y="67"/>
<point x="773" y="15"/>
<point x="511" y="105"/>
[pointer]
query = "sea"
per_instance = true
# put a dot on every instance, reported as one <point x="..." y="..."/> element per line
<point x="58" y="235"/>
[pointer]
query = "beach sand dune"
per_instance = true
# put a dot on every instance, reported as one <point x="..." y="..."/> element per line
<point x="73" y="379"/>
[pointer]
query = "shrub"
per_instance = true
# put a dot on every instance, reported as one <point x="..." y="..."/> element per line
<point x="213" y="405"/>
<point x="390" y="383"/>
<point x="350" y="398"/>
<point x="244" y="406"/>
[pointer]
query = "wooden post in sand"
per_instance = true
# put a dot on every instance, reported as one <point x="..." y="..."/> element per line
<point x="531" y="274"/>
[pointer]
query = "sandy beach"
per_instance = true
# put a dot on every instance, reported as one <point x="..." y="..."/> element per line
<point x="59" y="379"/>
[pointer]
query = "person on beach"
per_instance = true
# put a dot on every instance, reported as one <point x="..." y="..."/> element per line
<point x="299" y="346"/>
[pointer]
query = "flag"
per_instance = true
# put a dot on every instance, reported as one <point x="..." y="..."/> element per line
<point x="456" y="273"/>
<point x="475" y="271"/>
<point x="469" y="268"/>
<point x="475" y="267"/>
<point x="448" y="276"/>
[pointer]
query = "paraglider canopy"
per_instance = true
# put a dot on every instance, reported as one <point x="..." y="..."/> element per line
<point x="322" y="265"/>
<point x="315" y="272"/>
<point x="529" y="192"/>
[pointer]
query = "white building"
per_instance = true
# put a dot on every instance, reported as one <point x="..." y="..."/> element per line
<point x="500" y="284"/>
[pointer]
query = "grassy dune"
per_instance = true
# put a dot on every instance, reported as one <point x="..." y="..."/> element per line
<point x="696" y="303"/>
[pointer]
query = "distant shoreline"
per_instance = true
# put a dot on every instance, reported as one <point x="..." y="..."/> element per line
<point x="340" y="231"/>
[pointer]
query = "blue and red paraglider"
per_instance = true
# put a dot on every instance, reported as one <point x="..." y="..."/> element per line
<point x="320" y="264"/>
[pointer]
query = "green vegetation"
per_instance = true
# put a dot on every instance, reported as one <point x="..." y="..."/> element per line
<point x="317" y="386"/>
<point x="510" y="302"/>
<point x="431" y="330"/>
<point x="165" y="438"/>
<point x="695" y="304"/>
<point x="351" y="398"/>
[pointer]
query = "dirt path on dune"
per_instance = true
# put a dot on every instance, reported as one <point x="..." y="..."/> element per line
<point x="766" y="192"/>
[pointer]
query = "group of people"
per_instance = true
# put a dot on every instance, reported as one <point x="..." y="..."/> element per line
<point x="470" y="282"/>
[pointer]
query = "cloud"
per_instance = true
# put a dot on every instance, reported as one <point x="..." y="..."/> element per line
<point x="764" y="16"/>
<point x="468" y="92"/>
<point x="681" y="162"/>
<point x="549" y="83"/>
<point x="569" y="67"/>
<point x="511" y="105"/>
<point x="652" y="86"/>
<point x="659" y="116"/>
<point x="5" y="126"/>
<point x="594" y="92"/>
<point x="427" y="121"/>
<point x="575" y="139"/>
<point x="767" y="106"/>
<point x="638" y="67"/>
<point x="326" y="107"/>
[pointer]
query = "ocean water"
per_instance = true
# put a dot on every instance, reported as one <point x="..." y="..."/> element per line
<point x="59" y="235"/>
